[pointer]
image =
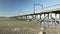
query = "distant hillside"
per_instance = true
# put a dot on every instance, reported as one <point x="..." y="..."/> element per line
<point x="6" y="18"/>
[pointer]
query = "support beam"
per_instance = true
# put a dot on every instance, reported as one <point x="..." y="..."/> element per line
<point x="26" y="18"/>
<point x="40" y="19"/>
<point x="59" y="16"/>
<point x="55" y="19"/>
<point x="48" y="21"/>
<point x="51" y="19"/>
<point x="32" y="17"/>
<point x="40" y="16"/>
<point x="44" y="21"/>
<point x="35" y="17"/>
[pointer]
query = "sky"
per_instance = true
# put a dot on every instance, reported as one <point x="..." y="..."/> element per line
<point x="14" y="7"/>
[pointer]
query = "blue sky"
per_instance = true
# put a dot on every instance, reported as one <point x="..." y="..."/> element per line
<point x="12" y="7"/>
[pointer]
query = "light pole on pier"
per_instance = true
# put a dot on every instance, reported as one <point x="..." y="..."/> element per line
<point x="36" y="5"/>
